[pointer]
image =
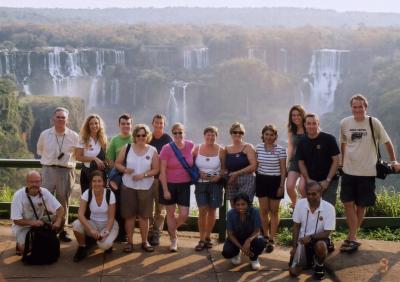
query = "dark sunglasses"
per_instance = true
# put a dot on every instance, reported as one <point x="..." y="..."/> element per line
<point x="141" y="135"/>
<point x="312" y="194"/>
<point x="238" y="132"/>
<point x="177" y="133"/>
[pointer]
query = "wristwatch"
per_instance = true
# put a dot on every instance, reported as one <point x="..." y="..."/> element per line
<point x="328" y="179"/>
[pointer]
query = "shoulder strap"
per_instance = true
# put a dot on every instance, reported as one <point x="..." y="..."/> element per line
<point x="108" y="195"/>
<point x="179" y="156"/>
<point x="128" y="147"/>
<point x="373" y="138"/>
<point x="30" y="201"/>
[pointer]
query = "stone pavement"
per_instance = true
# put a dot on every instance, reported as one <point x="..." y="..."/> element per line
<point x="375" y="261"/>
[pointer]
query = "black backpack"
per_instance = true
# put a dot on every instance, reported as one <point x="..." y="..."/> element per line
<point x="41" y="243"/>
<point x="108" y="195"/>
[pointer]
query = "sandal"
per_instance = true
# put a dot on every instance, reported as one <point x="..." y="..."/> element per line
<point x="270" y="246"/>
<point x="349" y="246"/>
<point x="147" y="247"/>
<point x="128" y="248"/>
<point x="200" y="246"/>
<point x="209" y="244"/>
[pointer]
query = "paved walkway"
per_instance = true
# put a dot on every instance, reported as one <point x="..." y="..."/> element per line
<point x="375" y="261"/>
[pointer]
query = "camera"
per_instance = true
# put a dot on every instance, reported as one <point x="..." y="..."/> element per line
<point x="60" y="156"/>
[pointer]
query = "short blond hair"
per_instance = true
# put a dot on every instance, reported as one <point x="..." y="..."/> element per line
<point x="176" y="126"/>
<point x="139" y="127"/>
<point x="359" y="97"/>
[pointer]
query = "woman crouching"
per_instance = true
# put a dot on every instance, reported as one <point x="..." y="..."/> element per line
<point x="243" y="225"/>
<point x="95" y="217"/>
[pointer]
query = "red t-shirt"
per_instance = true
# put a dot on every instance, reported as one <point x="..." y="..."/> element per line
<point x="175" y="171"/>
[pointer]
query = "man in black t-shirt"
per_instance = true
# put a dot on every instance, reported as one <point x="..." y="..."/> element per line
<point x="318" y="155"/>
<point x="160" y="138"/>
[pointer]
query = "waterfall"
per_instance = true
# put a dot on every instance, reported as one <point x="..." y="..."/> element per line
<point x="7" y="61"/>
<point x="172" y="107"/>
<point x="200" y="55"/>
<point x="74" y="70"/>
<point x="103" y="93"/>
<point x="250" y="53"/>
<point x="99" y="62"/>
<point x="258" y="53"/>
<point x="324" y="73"/>
<point x="184" y="106"/>
<point x="119" y="57"/>
<point x="92" y="102"/>
<point x="114" y="92"/>
<point x="55" y="70"/>
<point x="284" y="59"/>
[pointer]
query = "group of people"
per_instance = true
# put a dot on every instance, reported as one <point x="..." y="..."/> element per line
<point x="142" y="173"/>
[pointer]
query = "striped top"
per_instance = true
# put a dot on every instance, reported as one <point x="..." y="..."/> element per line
<point x="268" y="160"/>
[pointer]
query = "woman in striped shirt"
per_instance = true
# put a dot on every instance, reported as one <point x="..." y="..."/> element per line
<point x="270" y="181"/>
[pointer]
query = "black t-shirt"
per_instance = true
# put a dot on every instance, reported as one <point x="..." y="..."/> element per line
<point x="317" y="154"/>
<point x="159" y="143"/>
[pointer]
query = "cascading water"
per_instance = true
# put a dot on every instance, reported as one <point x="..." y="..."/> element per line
<point x="172" y="107"/>
<point x="114" y="92"/>
<point x="283" y="52"/>
<point x="195" y="58"/>
<point x="119" y="57"/>
<point x="324" y="77"/>
<point x="73" y="67"/>
<point x="177" y="102"/>
<point x="55" y="69"/>
<point x="92" y="101"/>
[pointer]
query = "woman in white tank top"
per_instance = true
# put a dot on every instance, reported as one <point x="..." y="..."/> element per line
<point x="142" y="163"/>
<point x="210" y="159"/>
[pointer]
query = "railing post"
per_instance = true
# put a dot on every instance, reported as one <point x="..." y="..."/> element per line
<point x="222" y="221"/>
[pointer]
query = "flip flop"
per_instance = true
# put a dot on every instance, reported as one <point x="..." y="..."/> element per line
<point x="208" y="244"/>
<point x="128" y="248"/>
<point x="349" y="246"/>
<point x="200" y="246"/>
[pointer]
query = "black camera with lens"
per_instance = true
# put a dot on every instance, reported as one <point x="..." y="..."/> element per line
<point x="60" y="156"/>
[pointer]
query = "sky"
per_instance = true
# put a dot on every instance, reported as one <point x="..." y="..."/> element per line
<point x="392" y="6"/>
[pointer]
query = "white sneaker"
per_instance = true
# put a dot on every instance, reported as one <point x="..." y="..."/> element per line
<point x="174" y="245"/>
<point x="255" y="264"/>
<point x="236" y="260"/>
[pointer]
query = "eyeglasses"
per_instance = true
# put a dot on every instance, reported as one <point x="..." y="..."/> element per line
<point x="312" y="194"/>
<point x="177" y="133"/>
<point x="238" y="132"/>
<point x="141" y="135"/>
<point x="60" y="117"/>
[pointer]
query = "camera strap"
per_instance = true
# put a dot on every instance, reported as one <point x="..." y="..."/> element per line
<point x="58" y="143"/>
<point x="33" y="207"/>
<point x="378" y="151"/>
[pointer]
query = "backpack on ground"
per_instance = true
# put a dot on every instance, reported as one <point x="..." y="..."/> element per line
<point x="41" y="243"/>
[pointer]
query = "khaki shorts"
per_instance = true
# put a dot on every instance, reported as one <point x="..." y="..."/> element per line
<point x="136" y="202"/>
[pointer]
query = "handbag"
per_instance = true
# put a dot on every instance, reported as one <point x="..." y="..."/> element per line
<point x="383" y="168"/>
<point x="193" y="171"/>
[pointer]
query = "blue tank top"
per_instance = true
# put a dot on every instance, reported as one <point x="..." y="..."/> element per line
<point x="236" y="161"/>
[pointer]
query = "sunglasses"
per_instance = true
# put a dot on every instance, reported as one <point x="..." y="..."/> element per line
<point x="141" y="135"/>
<point x="238" y="132"/>
<point x="177" y="133"/>
<point x="312" y="194"/>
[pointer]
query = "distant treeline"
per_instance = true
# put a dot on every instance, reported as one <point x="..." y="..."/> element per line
<point x="284" y="17"/>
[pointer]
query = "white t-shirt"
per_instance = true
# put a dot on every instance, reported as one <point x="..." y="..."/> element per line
<point x="22" y="209"/>
<point x="269" y="161"/>
<point x="325" y="215"/>
<point x="90" y="150"/>
<point x="140" y="164"/>
<point x="98" y="213"/>
<point x="360" y="156"/>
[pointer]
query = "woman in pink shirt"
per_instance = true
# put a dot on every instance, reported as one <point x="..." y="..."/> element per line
<point x="175" y="182"/>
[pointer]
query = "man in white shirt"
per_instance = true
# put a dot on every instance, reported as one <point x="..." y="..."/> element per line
<point x="56" y="147"/>
<point x="358" y="161"/>
<point x="314" y="220"/>
<point x="22" y="214"/>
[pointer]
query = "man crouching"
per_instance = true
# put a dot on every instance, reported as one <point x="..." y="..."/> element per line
<point x="22" y="214"/>
<point x="314" y="220"/>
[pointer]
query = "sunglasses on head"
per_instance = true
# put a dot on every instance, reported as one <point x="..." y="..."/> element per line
<point x="177" y="133"/>
<point x="238" y="132"/>
<point x="141" y="135"/>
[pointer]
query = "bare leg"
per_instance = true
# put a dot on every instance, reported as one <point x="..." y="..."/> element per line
<point x="291" y="186"/>
<point x="210" y="221"/>
<point x="351" y="219"/>
<point x="182" y="216"/>
<point x="264" y="210"/>
<point x="302" y="187"/>
<point x="360" y="215"/>
<point x="171" y="220"/>
<point x="274" y="217"/>
<point x="321" y="251"/>
<point x="80" y="238"/>
<point x="144" y="228"/>
<point x="202" y="221"/>
<point x="130" y="228"/>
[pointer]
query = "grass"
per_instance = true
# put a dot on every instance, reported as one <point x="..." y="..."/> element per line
<point x="6" y="194"/>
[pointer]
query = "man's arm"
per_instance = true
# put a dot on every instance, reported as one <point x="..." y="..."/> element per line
<point x="303" y="170"/>
<point x="331" y="173"/>
<point x="59" y="217"/>
<point x="390" y="151"/>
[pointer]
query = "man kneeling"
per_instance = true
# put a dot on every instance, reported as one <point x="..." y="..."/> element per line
<point x="314" y="220"/>
<point x="96" y="217"/>
<point x="23" y="215"/>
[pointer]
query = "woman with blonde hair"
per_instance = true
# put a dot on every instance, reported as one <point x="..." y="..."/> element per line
<point x="91" y="149"/>
<point x="175" y="181"/>
<point x="241" y="163"/>
<point x="296" y="131"/>
<point x="142" y="164"/>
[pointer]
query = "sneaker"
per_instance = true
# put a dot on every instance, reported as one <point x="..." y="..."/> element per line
<point x="63" y="236"/>
<point x="255" y="264"/>
<point x="319" y="271"/>
<point x="236" y="260"/>
<point x="80" y="254"/>
<point x="174" y="245"/>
